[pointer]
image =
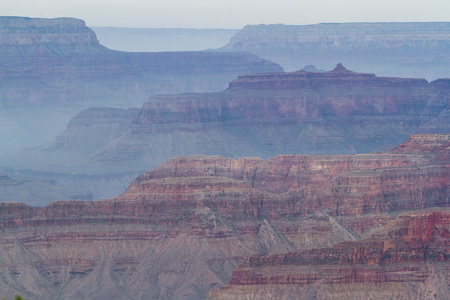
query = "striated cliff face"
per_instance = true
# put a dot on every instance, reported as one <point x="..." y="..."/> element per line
<point x="181" y="229"/>
<point x="259" y="115"/>
<point x="389" y="49"/>
<point x="409" y="257"/>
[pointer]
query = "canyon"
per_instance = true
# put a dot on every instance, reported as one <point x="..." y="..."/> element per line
<point x="259" y="115"/>
<point x="217" y="175"/>
<point x="210" y="226"/>
<point x="409" y="257"/>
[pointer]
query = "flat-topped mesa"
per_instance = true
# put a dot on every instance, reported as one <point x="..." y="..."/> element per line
<point x="304" y="79"/>
<point x="290" y="98"/>
<point x="35" y="36"/>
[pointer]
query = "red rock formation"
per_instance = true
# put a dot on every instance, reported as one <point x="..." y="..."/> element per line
<point x="259" y="115"/>
<point x="182" y="228"/>
<point x="406" y="252"/>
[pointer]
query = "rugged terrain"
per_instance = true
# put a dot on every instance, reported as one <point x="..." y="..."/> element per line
<point x="407" y="258"/>
<point x="335" y="112"/>
<point x="50" y="69"/>
<point x="388" y="49"/>
<point x="261" y="115"/>
<point x="182" y="229"/>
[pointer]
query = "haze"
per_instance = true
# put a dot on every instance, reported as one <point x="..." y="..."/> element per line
<point x="232" y="14"/>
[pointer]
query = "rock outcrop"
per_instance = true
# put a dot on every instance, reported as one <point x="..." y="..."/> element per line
<point x="61" y="63"/>
<point x="409" y="257"/>
<point x="389" y="49"/>
<point x="180" y="230"/>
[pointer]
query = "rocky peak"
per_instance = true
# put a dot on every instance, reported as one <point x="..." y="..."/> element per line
<point x="341" y="69"/>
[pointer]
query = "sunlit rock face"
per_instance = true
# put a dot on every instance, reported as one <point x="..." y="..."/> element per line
<point x="198" y="223"/>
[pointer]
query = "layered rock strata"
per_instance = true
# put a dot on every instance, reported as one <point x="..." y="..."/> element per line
<point x="409" y="257"/>
<point x="180" y="230"/>
<point x="336" y="112"/>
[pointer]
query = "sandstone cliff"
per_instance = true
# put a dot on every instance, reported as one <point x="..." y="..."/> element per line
<point x="180" y="230"/>
<point x="35" y="36"/>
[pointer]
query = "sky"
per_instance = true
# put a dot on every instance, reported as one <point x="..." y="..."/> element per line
<point x="232" y="14"/>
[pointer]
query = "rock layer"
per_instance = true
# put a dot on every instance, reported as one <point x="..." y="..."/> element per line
<point x="409" y="257"/>
<point x="180" y="230"/>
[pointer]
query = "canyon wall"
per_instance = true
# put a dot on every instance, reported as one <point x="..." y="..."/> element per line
<point x="199" y="223"/>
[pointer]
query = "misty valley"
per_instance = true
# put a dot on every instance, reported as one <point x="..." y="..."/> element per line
<point x="271" y="162"/>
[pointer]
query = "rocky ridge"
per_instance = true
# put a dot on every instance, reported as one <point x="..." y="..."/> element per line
<point x="35" y="36"/>
<point x="180" y="230"/>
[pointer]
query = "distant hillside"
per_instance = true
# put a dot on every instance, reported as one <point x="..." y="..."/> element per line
<point x="387" y="49"/>
<point x="162" y="39"/>
<point x="50" y="69"/>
